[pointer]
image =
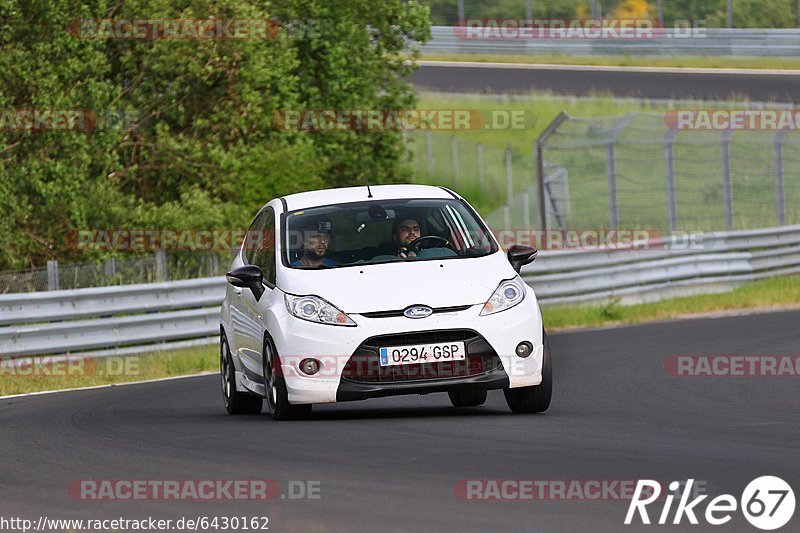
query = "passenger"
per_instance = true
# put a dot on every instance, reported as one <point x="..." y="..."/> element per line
<point x="316" y="240"/>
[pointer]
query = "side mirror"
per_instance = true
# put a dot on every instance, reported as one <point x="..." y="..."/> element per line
<point x="520" y="255"/>
<point x="247" y="277"/>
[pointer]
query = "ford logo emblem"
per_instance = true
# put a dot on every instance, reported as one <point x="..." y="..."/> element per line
<point x="418" y="311"/>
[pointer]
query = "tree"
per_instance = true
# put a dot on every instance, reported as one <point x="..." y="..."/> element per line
<point x="202" y="149"/>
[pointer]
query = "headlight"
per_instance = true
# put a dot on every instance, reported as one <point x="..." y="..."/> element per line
<point x="315" y="309"/>
<point x="508" y="294"/>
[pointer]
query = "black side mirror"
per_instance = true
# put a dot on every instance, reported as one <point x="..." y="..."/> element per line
<point x="247" y="277"/>
<point x="520" y="255"/>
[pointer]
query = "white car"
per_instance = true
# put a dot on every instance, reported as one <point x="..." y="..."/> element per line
<point x="364" y="292"/>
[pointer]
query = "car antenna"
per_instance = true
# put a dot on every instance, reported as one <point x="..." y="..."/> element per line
<point x="369" y="192"/>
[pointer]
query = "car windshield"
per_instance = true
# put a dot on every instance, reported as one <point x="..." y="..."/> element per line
<point x="383" y="231"/>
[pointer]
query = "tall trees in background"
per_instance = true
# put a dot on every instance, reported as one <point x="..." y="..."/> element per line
<point x="200" y="147"/>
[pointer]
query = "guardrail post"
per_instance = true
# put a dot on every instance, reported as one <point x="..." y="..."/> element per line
<point x="729" y="13"/>
<point x="429" y="151"/>
<point x="52" y="275"/>
<point x="454" y="157"/>
<point x="110" y="268"/>
<point x="780" y="204"/>
<point x="526" y="209"/>
<point x="611" y="168"/>
<point x="611" y="175"/>
<point x="481" y="169"/>
<point x="161" y="265"/>
<point x="726" y="179"/>
<point x="509" y="177"/>
<point x="546" y="134"/>
<point x="669" y="156"/>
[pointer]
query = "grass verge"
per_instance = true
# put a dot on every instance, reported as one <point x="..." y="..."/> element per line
<point x="770" y="63"/>
<point x="771" y="293"/>
<point x="106" y="370"/>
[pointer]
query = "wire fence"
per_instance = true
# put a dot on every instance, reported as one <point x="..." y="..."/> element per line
<point x="490" y="177"/>
<point x="160" y="266"/>
<point x="628" y="171"/>
<point x="633" y="171"/>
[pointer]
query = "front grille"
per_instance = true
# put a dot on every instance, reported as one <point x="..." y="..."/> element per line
<point x="396" y="313"/>
<point x="364" y="365"/>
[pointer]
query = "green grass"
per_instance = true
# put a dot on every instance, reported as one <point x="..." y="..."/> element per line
<point x="779" y="63"/>
<point x="104" y="371"/>
<point x="641" y="166"/>
<point x="763" y="294"/>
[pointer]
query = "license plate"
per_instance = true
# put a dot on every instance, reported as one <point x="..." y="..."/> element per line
<point x="422" y="353"/>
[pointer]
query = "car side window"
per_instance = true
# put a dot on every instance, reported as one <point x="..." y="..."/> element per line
<point x="260" y="244"/>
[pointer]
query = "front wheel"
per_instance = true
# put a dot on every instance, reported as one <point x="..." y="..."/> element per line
<point x="535" y="399"/>
<point x="236" y="403"/>
<point x="275" y="388"/>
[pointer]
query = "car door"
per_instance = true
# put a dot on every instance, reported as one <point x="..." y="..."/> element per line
<point x="262" y="255"/>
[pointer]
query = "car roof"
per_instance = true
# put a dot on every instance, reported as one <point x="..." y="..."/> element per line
<point x="344" y="195"/>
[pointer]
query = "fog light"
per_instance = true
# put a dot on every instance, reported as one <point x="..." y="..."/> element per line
<point x="309" y="366"/>
<point x="524" y="349"/>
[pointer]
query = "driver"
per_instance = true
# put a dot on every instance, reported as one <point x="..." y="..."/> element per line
<point x="406" y="231"/>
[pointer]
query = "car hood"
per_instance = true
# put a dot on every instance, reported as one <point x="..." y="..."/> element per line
<point x="395" y="286"/>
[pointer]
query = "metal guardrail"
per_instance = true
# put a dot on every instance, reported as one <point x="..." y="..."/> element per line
<point x="669" y="267"/>
<point x="129" y="318"/>
<point x="737" y="42"/>
<point x="26" y="308"/>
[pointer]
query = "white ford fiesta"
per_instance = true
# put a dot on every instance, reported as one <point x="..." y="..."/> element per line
<point x="356" y="293"/>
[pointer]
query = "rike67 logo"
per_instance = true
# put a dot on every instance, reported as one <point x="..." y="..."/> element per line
<point x="767" y="503"/>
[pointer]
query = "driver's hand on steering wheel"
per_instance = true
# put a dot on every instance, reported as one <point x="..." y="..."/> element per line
<point x="405" y="253"/>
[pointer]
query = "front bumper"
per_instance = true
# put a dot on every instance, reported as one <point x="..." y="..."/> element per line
<point x="337" y="346"/>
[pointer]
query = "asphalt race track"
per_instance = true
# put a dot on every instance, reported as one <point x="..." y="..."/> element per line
<point x="391" y="464"/>
<point x="585" y="81"/>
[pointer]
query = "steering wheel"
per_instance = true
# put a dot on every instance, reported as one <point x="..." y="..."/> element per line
<point x="413" y="246"/>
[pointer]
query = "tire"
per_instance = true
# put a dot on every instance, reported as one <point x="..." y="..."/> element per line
<point x="275" y="388"/>
<point x="467" y="397"/>
<point x="535" y="399"/>
<point x="236" y="403"/>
